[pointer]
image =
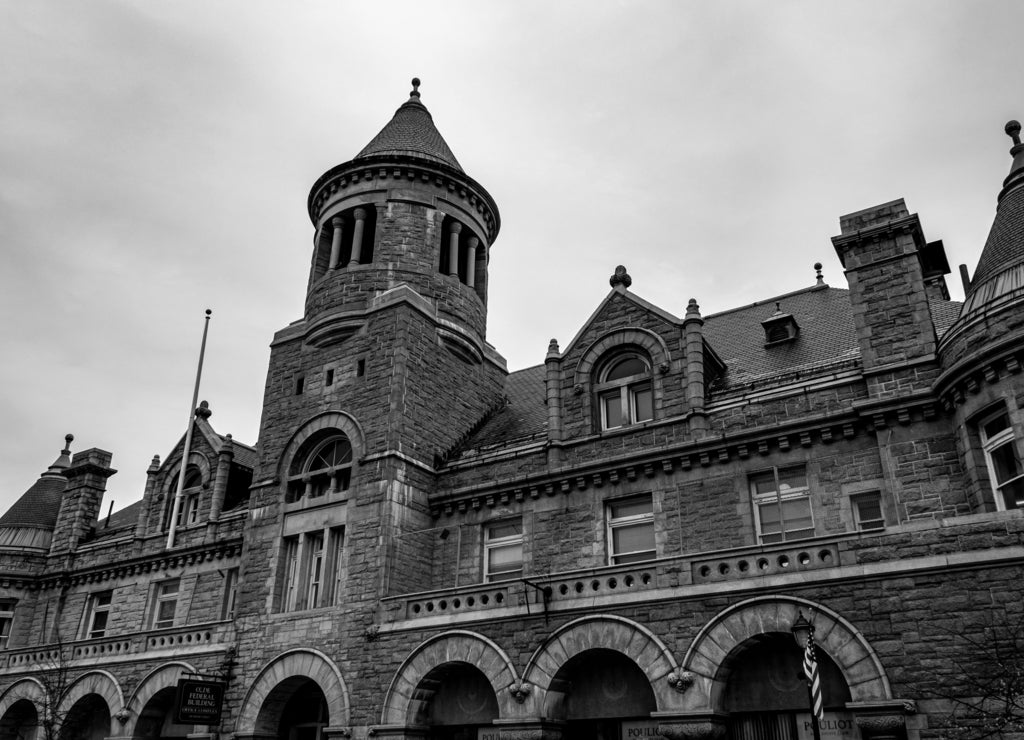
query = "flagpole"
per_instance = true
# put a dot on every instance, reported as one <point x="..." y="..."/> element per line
<point x="188" y="437"/>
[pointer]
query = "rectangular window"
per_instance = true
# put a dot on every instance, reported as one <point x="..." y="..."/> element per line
<point x="227" y="610"/>
<point x="6" y="621"/>
<point x="1003" y="458"/>
<point x="312" y="569"/>
<point x="628" y="404"/>
<point x="631" y="530"/>
<point x="165" y="603"/>
<point x="782" y="504"/>
<point x="503" y="550"/>
<point x="329" y="380"/>
<point x="97" y="613"/>
<point x="867" y="512"/>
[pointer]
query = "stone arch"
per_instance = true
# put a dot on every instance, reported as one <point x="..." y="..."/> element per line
<point x="25" y="688"/>
<point x="194" y="458"/>
<point x="100" y="683"/>
<point x="401" y="702"/>
<point x="339" y="420"/>
<point x="162" y="677"/>
<point x="260" y="707"/>
<point x="710" y="656"/>
<point x="647" y="340"/>
<point x="610" y="632"/>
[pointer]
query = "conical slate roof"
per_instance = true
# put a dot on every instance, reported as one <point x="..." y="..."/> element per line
<point x="1004" y="247"/>
<point x="411" y="133"/>
<point x="39" y="505"/>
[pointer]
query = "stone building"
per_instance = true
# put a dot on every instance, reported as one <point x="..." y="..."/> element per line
<point x="617" y="542"/>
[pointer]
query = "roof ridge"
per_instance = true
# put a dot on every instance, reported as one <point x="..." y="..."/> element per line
<point x="811" y="289"/>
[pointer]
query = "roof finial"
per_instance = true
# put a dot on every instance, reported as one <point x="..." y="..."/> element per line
<point x="621" y="279"/>
<point x="203" y="412"/>
<point x="68" y="439"/>
<point x="1012" y="129"/>
<point x="818" y="276"/>
<point x="415" y="88"/>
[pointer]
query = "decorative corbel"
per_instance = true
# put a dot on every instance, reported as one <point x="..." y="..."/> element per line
<point x="520" y="690"/>
<point x="123" y="715"/>
<point x="681" y="680"/>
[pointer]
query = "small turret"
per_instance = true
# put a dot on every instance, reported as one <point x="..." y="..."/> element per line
<point x="402" y="212"/>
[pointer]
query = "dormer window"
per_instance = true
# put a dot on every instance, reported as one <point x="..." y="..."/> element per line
<point x="779" y="328"/>
<point x="625" y="393"/>
<point x="326" y="468"/>
<point x="188" y="509"/>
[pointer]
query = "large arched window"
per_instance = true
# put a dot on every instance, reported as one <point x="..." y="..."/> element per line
<point x="625" y="394"/>
<point x="323" y="465"/>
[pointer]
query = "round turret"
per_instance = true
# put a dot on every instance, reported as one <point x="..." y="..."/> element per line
<point x="402" y="212"/>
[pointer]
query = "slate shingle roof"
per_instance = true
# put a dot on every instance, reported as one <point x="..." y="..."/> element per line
<point x="1005" y="244"/>
<point x="827" y="340"/>
<point x="39" y="505"/>
<point x="411" y="133"/>
<point x="525" y="416"/>
<point x="827" y="336"/>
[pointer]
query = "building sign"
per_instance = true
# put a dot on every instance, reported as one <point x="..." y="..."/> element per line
<point x="836" y="726"/>
<point x="487" y="733"/>
<point x="198" y="702"/>
<point x="642" y="730"/>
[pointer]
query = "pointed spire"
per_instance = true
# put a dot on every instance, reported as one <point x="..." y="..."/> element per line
<point x="411" y="133"/>
<point x="63" y="461"/>
<point x="1004" y="247"/>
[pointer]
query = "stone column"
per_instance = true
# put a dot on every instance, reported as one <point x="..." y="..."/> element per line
<point x="471" y="261"/>
<point x="553" y="399"/>
<point x="357" y="235"/>
<point x="148" y="496"/>
<point x="693" y="328"/>
<point x="453" y="248"/>
<point x="337" y="223"/>
<point x="220" y="481"/>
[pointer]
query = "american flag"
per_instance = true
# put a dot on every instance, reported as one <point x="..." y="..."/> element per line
<point x="811" y="671"/>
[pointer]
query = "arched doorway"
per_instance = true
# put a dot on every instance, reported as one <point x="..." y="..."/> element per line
<point x="20" y="722"/>
<point x="455" y="700"/>
<point x="156" y="720"/>
<point x="87" y="719"/>
<point x="600" y="694"/>
<point x="295" y="709"/>
<point x="766" y="692"/>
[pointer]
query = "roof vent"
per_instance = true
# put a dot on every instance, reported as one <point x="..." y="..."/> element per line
<point x="779" y="327"/>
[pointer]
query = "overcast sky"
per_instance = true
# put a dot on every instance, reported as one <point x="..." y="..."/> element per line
<point x="155" y="160"/>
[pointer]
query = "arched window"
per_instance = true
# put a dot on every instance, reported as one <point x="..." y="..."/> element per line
<point x="625" y="394"/>
<point x="323" y="465"/>
<point x="188" y="510"/>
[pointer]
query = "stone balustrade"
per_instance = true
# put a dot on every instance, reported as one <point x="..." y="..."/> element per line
<point x="180" y="640"/>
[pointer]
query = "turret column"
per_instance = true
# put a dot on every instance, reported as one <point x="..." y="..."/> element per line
<point x="453" y="249"/>
<point x="357" y="235"/>
<point x="337" y="223"/>
<point x="693" y="326"/>
<point x="471" y="261"/>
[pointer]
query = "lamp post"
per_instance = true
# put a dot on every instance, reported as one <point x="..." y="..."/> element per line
<point x="803" y="632"/>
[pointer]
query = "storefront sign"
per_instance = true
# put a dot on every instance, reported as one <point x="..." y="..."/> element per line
<point x="198" y="702"/>
<point x="836" y="726"/>
<point x="640" y="730"/>
<point x="487" y="733"/>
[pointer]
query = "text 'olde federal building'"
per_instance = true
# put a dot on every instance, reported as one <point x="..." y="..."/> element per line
<point x="615" y="543"/>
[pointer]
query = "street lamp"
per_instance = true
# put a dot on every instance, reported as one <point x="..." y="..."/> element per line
<point x="803" y="633"/>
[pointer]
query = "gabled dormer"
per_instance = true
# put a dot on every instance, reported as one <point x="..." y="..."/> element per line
<point x="631" y="364"/>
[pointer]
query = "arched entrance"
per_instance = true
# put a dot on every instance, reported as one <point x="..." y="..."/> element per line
<point x="156" y="719"/>
<point x="766" y="693"/>
<point x="20" y="722"/>
<point x="454" y="700"/>
<point x="87" y="719"/>
<point x="600" y="694"/>
<point x="296" y="709"/>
